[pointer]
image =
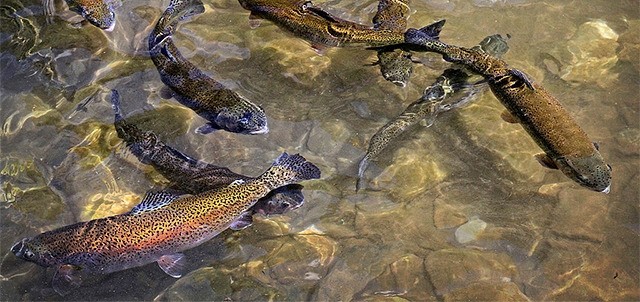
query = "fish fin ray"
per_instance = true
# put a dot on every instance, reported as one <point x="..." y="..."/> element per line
<point x="362" y="167"/>
<point x="509" y="118"/>
<point x="433" y="30"/>
<point x="523" y="77"/>
<point x="288" y="169"/>
<point x="207" y="128"/>
<point x="166" y="92"/>
<point x="236" y="182"/>
<point x="546" y="161"/>
<point x="66" y="278"/>
<point x="254" y="21"/>
<point x="172" y="264"/>
<point x="243" y="221"/>
<point x="155" y="200"/>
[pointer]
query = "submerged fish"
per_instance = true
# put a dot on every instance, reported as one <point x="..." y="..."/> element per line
<point x="156" y="230"/>
<point x="396" y="65"/>
<point x="223" y="108"/>
<point x="317" y="26"/>
<point x="192" y="176"/>
<point x="100" y="13"/>
<point x="433" y="102"/>
<point x="567" y="147"/>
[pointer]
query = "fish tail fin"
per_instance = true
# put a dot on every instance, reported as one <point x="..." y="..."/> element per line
<point x="362" y="167"/>
<point x="428" y="36"/>
<point x="289" y="169"/>
<point x="115" y="104"/>
<point x="177" y="11"/>
<point x="433" y="30"/>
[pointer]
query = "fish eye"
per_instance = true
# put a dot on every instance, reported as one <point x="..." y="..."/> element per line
<point x="306" y="5"/>
<point x="29" y="254"/>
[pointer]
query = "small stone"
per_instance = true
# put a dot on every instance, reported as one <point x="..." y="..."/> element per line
<point x="469" y="231"/>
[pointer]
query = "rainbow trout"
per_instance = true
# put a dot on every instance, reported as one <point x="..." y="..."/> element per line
<point x="100" y="13"/>
<point x="566" y="146"/>
<point x="223" y="108"/>
<point x="320" y="28"/>
<point x="396" y="65"/>
<point x="156" y="230"/>
<point x="192" y="176"/>
<point x="434" y="101"/>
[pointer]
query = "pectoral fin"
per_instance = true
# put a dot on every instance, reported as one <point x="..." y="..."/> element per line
<point x="508" y="117"/>
<point x="66" y="278"/>
<point x="243" y="221"/>
<point x="546" y="161"/>
<point x="520" y="75"/>
<point x="172" y="264"/>
<point x="207" y="128"/>
<point x="166" y="92"/>
<point x="320" y="49"/>
<point x="254" y="21"/>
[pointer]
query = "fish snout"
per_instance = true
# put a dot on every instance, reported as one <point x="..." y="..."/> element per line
<point x="21" y="250"/>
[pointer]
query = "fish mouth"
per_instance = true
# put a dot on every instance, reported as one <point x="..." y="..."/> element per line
<point x="111" y="27"/>
<point x="18" y="248"/>
<point x="607" y="189"/>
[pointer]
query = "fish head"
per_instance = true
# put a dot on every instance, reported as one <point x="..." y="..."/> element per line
<point x="243" y="120"/>
<point x="98" y="12"/>
<point x="31" y="250"/>
<point x="590" y="171"/>
<point x="280" y="200"/>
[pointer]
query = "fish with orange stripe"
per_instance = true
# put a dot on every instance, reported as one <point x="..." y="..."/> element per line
<point x="156" y="230"/>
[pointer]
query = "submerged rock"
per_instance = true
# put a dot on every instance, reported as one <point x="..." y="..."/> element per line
<point x="488" y="291"/>
<point x="469" y="231"/>
<point x="591" y="54"/>
<point x="405" y="278"/>
<point x="453" y="269"/>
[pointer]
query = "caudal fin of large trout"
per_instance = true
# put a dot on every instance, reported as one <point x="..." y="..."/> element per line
<point x="288" y="169"/>
<point x="428" y="36"/>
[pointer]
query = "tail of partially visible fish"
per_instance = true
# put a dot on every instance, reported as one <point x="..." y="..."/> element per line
<point x="177" y="11"/>
<point x="288" y="169"/>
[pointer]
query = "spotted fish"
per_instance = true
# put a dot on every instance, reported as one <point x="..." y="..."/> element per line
<point x="317" y="26"/>
<point x="396" y="65"/>
<point x="100" y="13"/>
<point x="192" y="176"/>
<point x="156" y="230"/>
<point x="223" y="108"/>
<point x="437" y="98"/>
<point x="566" y="146"/>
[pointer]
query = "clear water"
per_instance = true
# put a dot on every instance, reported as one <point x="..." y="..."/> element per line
<point x="544" y="237"/>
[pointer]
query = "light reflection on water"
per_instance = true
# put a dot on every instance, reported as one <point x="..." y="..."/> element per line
<point x="545" y="238"/>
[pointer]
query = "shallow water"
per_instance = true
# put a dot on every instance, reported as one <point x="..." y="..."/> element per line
<point x="543" y="237"/>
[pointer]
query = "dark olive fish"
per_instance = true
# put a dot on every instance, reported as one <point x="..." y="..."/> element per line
<point x="223" y="108"/>
<point x="100" y="13"/>
<point x="192" y="176"/>
<point x="157" y="230"/>
<point x="437" y="98"/>
<point x="396" y="65"/>
<point x="319" y="27"/>
<point x="567" y="147"/>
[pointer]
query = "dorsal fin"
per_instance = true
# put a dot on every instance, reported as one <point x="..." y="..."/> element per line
<point x="153" y="201"/>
